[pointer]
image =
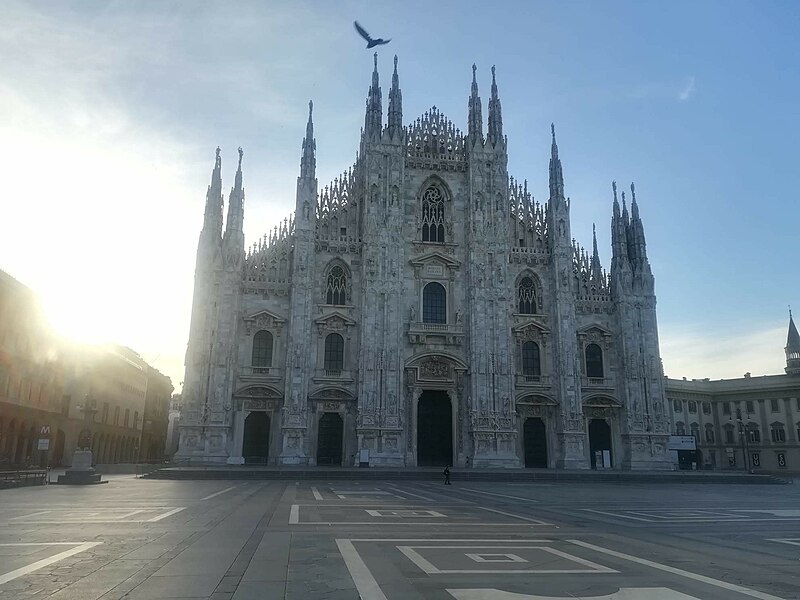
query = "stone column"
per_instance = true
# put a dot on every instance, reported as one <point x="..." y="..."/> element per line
<point x="236" y="457"/>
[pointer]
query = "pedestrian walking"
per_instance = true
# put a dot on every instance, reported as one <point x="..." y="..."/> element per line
<point x="447" y="475"/>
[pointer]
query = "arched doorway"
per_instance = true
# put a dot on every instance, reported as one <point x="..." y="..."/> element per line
<point x="600" y="444"/>
<point x="535" y="442"/>
<point x="329" y="439"/>
<point x="255" y="446"/>
<point x="434" y="429"/>
<point x="58" y="450"/>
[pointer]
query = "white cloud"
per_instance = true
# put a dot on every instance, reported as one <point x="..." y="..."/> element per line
<point x="692" y="353"/>
<point x="687" y="91"/>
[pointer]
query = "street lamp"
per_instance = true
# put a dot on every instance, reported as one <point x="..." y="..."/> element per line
<point x="743" y="435"/>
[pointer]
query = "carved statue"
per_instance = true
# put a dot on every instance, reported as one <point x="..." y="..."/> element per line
<point x="459" y="316"/>
<point x="413" y="314"/>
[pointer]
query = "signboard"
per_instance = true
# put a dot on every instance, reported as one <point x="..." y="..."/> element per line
<point x="44" y="444"/>
<point x="681" y="442"/>
<point x="781" y="460"/>
<point x="363" y="457"/>
<point x="44" y="431"/>
<point x="756" y="459"/>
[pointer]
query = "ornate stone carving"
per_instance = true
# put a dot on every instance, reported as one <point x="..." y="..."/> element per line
<point x="259" y="404"/>
<point x="434" y="368"/>
<point x="261" y="392"/>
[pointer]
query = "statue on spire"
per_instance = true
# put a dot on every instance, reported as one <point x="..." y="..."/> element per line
<point x="475" y="119"/>
<point x="308" y="162"/>
<point x="495" y="114"/>
<point x="395" y="120"/>
<point x="556" y="174"/>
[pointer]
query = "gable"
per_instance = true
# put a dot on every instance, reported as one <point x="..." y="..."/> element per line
<point x="435" y="259"/>
<point x="335" y="320"/>
<point x="595" y="329"/>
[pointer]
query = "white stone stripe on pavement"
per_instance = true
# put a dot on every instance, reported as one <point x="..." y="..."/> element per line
<point x="80" y="547"/>
<point x="675" y="571"/>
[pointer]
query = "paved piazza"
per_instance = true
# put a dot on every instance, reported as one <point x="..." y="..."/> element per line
<point x="147" y="539"/>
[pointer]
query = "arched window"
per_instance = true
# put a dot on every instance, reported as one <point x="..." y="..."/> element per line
<point x="594" y="361"/>
<point x="434" y="303"/>
<point x="262" y="349"/>
<point x="433" y="215"/>
<point x="778" y="433"/>
<point x="709" y="433"/>
<point x="336" y="288"/>
<point x="680" y="428"/>
<point x="531" y="366"/>
<point x="334" y="352"/>
<point x="729" y="437"/>
<point x="526" y="296"/>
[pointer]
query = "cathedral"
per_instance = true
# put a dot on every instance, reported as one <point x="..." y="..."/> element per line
<point x="423" y="309"/>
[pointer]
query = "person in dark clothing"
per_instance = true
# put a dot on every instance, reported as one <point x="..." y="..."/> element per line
<point x="447" y="475"/>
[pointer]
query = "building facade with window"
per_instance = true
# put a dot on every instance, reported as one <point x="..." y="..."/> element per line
<point x="423" y="309"/>
<point x="155" y="422"/>
<point x="751" y="423"/>
<point x="81" y="394"/>
<point x="32" y="377"/>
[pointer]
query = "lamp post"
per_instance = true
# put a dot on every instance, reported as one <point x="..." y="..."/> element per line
<point x="743" y="435"/>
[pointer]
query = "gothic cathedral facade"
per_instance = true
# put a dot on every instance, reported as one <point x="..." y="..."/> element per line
<point x="423" y="309"/>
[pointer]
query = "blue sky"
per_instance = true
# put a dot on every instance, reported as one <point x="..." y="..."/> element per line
<point x="110" y="113"/>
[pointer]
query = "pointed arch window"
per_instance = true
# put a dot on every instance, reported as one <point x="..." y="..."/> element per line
<point x="526" y="297"/>
<point x="336" y="287"/>
<point x="262" y="349"/>
<point x="433" y="215"/>
<point x="334" y="352"/>
<point x="594" y="361"/>
<point x="531" y="364"/>
<point x="434" y="303"/>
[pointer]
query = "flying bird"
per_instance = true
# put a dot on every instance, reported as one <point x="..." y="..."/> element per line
<point x="370" y="42"/>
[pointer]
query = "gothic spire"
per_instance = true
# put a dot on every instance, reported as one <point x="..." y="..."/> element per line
<point x="637" y="227"/>
<point x="625" y="218"/>
<point x="619" y="238"/>
<point x="308" y="162"/>
<point x="395" y="121"/>
<point x="213" y="215"/>
<point x="556" y="175"/>
<point x="495" y="114"/>
<point x="475" y="119"/>
<point x="235" y="220"/>
<point x="596" y="267"/>
<point x="792" y="348"/>
<point x="374" y="116"/>
<point x="793" y="339"/>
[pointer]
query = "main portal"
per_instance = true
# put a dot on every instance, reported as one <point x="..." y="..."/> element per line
<point x="434" y="429"/>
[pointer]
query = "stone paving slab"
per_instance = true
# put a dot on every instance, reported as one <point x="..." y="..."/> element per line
<point x="236" y="540"/>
